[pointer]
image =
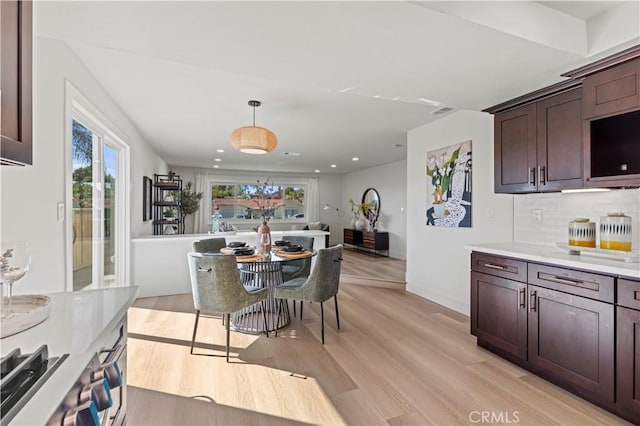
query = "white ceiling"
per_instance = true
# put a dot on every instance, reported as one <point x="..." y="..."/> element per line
<point x="336" y="79"/>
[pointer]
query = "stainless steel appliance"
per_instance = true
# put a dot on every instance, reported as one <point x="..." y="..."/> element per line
<point x="21" y="377"/>
<point x="97" y="396"/>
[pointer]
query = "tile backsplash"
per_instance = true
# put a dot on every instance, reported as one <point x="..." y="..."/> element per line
<point x="556" y="210"/>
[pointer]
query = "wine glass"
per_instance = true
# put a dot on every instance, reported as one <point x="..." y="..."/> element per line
<point x="14" y="264"/>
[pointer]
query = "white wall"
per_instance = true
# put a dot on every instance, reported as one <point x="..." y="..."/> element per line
<point x="30" y="194"/>
<point x="437" y="263"/>
<point x="558" y="209"/>
<point x="390" y="180"/>
<point x="328" y="188"/>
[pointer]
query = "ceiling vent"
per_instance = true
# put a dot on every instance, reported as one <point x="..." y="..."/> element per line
<point x="441" y="110"/>
<point x="292" y="154"/>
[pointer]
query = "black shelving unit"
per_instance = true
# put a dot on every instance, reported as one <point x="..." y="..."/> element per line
<point x="163" y="186"/>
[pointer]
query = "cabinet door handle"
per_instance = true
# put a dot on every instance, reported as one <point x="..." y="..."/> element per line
<point x="542" y="175"/>
<point x="563" y="280"/>
<point x="522" y="298"/>
<point x="492" y="266"/>
<point x="532" y="176"/>
<point x="532" y="301"/>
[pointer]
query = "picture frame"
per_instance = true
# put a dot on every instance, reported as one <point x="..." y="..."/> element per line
<point x="147" y="199"/>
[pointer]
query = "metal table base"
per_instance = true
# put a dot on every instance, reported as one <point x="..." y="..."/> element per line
<point x="250" y="320"/>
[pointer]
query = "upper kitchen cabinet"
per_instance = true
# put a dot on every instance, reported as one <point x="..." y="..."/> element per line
<point x="16" y="81"/>
<point x="559" y="141"/>
<point x="537" y="141"/>
<point x="611" y="112"/>
<point x="515" y="150"/>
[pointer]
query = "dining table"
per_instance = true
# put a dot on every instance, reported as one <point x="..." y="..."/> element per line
<point x="263" y="270"/>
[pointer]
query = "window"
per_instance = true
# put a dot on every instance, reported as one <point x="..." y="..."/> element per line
<point x="243" y="201"/>
<point x="98" y="200"/>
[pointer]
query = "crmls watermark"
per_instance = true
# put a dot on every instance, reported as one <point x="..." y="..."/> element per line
<point x="507" y="417"/>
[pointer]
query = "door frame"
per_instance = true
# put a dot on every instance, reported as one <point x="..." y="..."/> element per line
<point x="76" y="104"/>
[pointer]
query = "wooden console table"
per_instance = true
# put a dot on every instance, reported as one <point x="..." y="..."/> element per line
<point x="370" y="242"/>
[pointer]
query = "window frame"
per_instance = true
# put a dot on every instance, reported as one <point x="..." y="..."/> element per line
<point x="247" y="180"/>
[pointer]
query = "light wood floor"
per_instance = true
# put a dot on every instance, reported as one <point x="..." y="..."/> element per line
<point x="397" y="359"/>
<point x="378" y="271"/>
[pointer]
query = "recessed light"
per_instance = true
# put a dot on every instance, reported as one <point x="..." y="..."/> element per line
<point x="355" y="159"/>
<point x="346" y="89"/>
<point x="220" y="150"/>
<point x="217" y="159"/>
<point x="430" y="102"/>
<point x="215" y="166"/>
<point x="317" y="171"/>
<point x="396" y="98"/>
<point x="376" y="96"/>
<point x="333" y="166"/>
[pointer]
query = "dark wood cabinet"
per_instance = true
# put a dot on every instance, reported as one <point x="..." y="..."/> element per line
<point x="612" y="91"/>
<point x="499" y="313"/>
<point x="585" y="284"/>
<point x="562" y="324"/>
<point x="369" y="241"/>
<point x="628" y="362"/>
<point x="583" y="132"/>
<point x="515" y="150"/>
<point x="16" y="83"/>
<point x="571" y="342"/>
<point x="538" y="146"/>
<point x="559" y="141"/>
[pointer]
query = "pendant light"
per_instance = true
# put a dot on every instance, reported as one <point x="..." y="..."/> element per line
<point x="252" y="139"/>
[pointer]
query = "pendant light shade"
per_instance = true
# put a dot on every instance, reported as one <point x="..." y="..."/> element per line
<point x="253" y="139"/>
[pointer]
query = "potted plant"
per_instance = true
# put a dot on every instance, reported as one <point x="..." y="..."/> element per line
<point x="190" y="203"/>
<point x="169" y="214"/>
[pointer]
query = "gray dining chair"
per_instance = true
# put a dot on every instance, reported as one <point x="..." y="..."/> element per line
<point x="297" y="268"/>
<point x="209" y="245"/>
<point x="319" y="287"/>
<point x="217" y="289"/>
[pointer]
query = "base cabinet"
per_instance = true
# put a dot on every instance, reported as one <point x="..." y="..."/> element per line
<point x="499" y="313"/>
<point x="577" y="329"/>
<point x="628" y="362"/>
<point x="628" y="349"/>
<point x="571" y="341"/>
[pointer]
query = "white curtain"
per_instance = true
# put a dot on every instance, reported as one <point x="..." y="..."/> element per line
<point x="312" y="201"/>
<point x="204" y="211"/>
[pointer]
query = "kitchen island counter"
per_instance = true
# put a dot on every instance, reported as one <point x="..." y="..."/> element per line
<point x="159" y="263"/>
<point x="80" y="325"/>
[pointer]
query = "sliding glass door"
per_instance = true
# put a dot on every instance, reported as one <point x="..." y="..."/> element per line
<point x="97" y="206"/>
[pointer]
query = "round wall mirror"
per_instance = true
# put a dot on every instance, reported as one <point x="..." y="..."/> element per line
<point x="371" y="205"/>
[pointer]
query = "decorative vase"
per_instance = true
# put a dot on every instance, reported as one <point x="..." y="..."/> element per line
<point x="582" y="233"/>
<point x="361" y="224"/>
<point x="263" y="243"/>
<point x="615" y="232"/>
<point x="438" y="210"/>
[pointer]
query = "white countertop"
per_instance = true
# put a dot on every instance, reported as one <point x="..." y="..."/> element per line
<point x="78" y="322"/>
<point x="555" y="255"/>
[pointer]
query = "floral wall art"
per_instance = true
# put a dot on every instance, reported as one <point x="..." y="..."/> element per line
<point x="449" y="186"/>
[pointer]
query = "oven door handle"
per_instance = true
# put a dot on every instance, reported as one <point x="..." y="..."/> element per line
<point x="111" y="350"/>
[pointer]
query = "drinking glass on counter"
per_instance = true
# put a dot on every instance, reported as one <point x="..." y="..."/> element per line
<point x="14" y="264"/>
